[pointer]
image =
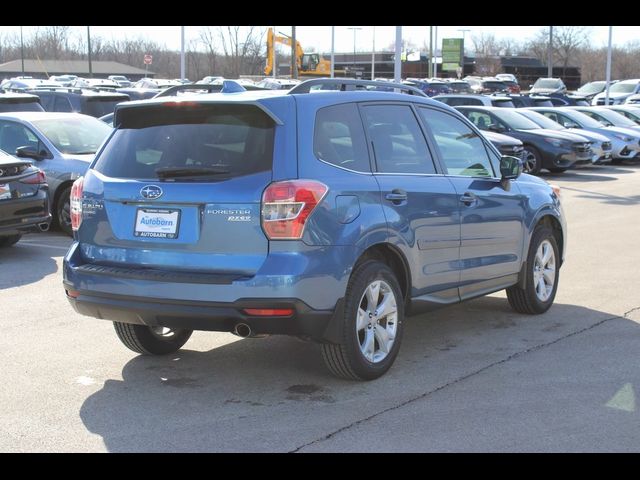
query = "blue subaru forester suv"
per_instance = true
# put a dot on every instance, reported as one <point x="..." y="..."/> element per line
<point x="328" y="214"/>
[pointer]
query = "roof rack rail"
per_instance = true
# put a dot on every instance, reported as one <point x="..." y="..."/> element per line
<point x="350" y="84"/>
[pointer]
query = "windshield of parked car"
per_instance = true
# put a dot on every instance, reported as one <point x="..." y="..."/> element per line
<point x="547" y="83"/>
<point x="622" y="87"/>
<point x="74" y="135"/>
<point x="541" y="120"/>
<point x="616" y="118"/>
<point x="515" y="120"/>
<point x="582" y="119"/>
<point x="591" y="87"/>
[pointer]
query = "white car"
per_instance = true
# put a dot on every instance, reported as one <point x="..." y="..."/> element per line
<point x="509" y="77"/>
<point x="618" y="92"/>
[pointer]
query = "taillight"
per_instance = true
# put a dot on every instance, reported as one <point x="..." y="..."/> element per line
<point x="287" y="205"/>
<point x="37" y="178"/>
<point x="76" y="204"/>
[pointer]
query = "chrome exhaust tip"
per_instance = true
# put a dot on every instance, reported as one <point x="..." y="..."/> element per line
<point x="242" y="330"/>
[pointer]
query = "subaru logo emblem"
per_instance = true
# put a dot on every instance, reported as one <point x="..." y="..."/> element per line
<point x="151" y="192"/>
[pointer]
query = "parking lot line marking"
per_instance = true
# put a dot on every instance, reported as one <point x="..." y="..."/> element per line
<point x="43" y="245"/>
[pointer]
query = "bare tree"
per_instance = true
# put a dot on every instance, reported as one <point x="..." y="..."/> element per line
<point x="208" y="38"/>
<point x="242" y="50"/>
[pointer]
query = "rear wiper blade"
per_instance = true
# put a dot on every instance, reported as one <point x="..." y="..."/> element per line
<point x="174" y="172"/>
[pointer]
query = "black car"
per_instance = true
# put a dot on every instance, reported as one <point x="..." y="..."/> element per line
<point x="567" y="100"/>
<point x="19" y="102"/>
<point x="555" y="151"/>
<point x="24" y="199"/>
<point x="505" y="144"/>
<point x="522" y="101"/>
<point x="95" y="103"/>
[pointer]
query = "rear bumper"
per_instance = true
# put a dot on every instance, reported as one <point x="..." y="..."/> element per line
<point x="24" y="214"/>
<point x="210" y="316"/>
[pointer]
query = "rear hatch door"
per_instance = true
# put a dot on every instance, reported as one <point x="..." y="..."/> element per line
<point x="178" y="187"/>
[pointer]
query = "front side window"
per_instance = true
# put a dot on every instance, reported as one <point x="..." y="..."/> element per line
<point x="461" y="149"/>
<point x="482" y="120"/>
<point x="398" y="143"/>
<point x="339" y="139"/>
<point x="14" y="135"/>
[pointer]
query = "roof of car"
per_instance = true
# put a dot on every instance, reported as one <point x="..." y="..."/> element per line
<point x="7" y="95"/>
<point x="34" y="116"/>
<point x="79" y="91"/>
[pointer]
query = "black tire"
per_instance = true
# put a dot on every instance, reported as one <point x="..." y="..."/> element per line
<point x="346" y="358"/>
<point x="532" y="164"/>
<point x="527" y="300"/>
<point x="557" y="170"/>
<point x="62" y="213"/>
<point x="617" y="161"/>
<point x="9" y="240"/>
<point x="142" y="339"/>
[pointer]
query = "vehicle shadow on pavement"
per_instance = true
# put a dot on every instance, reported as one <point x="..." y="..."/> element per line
<point x="588" y="174"/>
<point x="23" y="264"/>
<point x="274" y="394"/>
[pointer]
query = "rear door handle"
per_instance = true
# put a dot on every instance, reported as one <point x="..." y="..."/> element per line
<point x="469" y="199"/>
<point x="397" y="196"/>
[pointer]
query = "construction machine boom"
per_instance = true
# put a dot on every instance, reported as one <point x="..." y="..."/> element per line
<point x="309" y="64"/>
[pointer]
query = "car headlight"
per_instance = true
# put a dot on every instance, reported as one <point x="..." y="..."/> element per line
<point x="622" y="137"/>
<point x="556" y="142"/>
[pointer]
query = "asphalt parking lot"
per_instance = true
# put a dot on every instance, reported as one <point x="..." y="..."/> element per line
<point x="473" y="377"/>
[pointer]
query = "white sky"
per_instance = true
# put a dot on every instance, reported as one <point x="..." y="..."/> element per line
<point x="320" y="36"/>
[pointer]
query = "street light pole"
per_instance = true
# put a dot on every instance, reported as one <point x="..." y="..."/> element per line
<point x="182" y="63"/>
<point x="550" y="54"/>
<point x="430" y="67"/>
<point x="354" y="45"/>
<point x="89" y="51"/>
<point x="373" y="54"/>
<point x="22" y="50"/>
<point x="333" y="55"/>
<point x="464" y="31"/>
<point x="608" y="73"/>
<point x="397" y="63"/>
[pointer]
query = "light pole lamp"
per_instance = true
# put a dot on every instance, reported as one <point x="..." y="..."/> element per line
<point x="355" y="29"/>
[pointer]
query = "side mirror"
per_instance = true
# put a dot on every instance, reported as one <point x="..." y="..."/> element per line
<point x="510" y="167"/>
<point x="29" y="152"/>
<point x="530" y="86"/>
<point x="496" y="128"/>
<point x="570" y="125"/>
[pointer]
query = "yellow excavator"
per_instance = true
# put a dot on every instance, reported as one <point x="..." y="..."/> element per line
<point x="309" y="64"/>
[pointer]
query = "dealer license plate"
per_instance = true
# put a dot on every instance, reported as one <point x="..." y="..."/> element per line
<point x="157" y="223"/>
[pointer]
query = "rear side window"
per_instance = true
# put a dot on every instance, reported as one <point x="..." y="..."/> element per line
<point x="398" y="142"/>
<point x="503" y="103"/>
<point x="232" y="140"/>
<point x="62" y="104"/>
<point x="339" y="138"/>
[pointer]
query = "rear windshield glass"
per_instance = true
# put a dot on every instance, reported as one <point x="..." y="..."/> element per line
<point x="494" y="85"/>
<point x="231" y="140"/>
<point x="28" y="106"/>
